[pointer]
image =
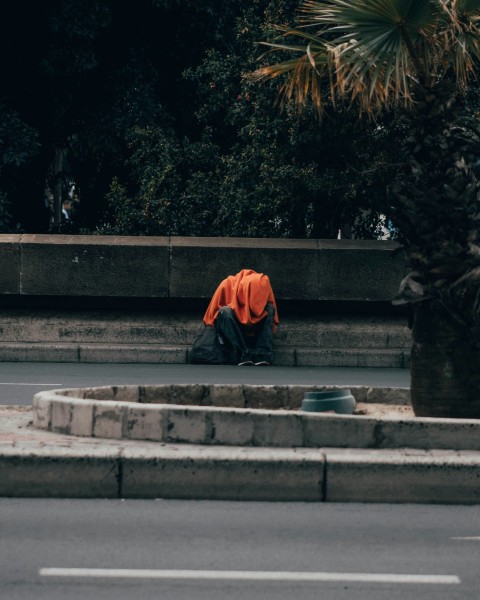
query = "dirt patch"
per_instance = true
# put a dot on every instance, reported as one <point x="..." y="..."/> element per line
<point x="395" y="411"/>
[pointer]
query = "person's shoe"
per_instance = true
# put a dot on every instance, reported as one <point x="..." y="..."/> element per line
<point x="246" y="360"/>
<point x="262" y="360"/>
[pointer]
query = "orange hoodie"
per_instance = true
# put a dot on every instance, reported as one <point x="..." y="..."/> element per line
<point x="247" y="293"/>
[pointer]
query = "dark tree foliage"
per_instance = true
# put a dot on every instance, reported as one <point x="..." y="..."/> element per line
<point x="150" y="108"/>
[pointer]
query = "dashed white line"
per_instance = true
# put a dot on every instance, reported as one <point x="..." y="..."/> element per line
<point x="36" y="384"/>
<point x="250" y="575"/>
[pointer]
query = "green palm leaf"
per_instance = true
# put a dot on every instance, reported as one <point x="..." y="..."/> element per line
<point x="377" y="51"/>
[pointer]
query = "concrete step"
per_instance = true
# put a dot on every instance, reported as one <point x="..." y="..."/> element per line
<point x="340" y="331"/>
<point x="166" y="337"/>
<point x="182" y="328"/>
<point x="163" y="354"/>
<point x="121" y="327"/>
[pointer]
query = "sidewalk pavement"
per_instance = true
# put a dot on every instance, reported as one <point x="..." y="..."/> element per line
<point x="39" y="463"/>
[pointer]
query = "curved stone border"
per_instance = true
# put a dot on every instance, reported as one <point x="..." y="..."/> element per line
<point x="288" y="397"/>
<point x="169" y="414"/>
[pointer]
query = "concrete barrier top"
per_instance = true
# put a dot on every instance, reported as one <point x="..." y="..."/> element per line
<point x="189" y="267"/>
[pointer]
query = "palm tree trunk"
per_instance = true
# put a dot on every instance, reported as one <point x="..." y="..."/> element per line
<point x="445" y="365"/>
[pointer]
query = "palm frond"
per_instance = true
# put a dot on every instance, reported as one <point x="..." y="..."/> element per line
<point x="376" y="51"/>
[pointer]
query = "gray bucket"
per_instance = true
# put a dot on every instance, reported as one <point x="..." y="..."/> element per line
<point x="337" y="401"/>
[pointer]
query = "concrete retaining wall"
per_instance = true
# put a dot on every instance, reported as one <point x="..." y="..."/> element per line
<point x="180" y="267"/>
<point x="141" y="299"/>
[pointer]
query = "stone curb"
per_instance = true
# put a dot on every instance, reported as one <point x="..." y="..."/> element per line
<point x="434" y="477"/>
<point x="178" y="354"/>
<point x="192" y="472"/>
<point x="35" y="463"/>
<point x="96" y="416"/>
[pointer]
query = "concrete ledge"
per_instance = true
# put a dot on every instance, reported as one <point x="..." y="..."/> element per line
<point x="10" y="264"/>
<point x="59" y="473"/>
<point x="146" y="472"/>
<point x="162" y="267"/>
<point x="93" y="266"/>
<point x="434" y="477"/>
<point x="155" y="413"/>
<point x="233" y="474"/>
<point x="222" y="473"/>
<point x="171" y="354"/>
<point x="156" y="336"/>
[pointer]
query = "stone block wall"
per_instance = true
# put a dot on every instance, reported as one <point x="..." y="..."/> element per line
<point x="189" y="267"/>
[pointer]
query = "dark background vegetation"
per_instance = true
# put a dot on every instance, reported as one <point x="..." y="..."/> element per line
<point x="162" y="131"/>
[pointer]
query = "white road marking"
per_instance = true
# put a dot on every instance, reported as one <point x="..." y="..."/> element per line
<point x="14" y="383"/>
<point x="475" y="538"/>
<point x="250" y="575"/>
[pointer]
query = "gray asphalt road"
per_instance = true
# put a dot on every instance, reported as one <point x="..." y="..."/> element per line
<point x="438" y="547"/>
<point x="20" y="381"/>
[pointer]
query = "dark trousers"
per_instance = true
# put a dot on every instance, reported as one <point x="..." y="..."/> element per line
<point x="244" y="343"/>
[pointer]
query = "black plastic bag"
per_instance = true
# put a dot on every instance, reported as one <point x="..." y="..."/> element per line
<point x="209" y="349"/>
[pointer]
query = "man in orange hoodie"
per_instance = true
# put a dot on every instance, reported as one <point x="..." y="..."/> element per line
<point x="244" y="313"/>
